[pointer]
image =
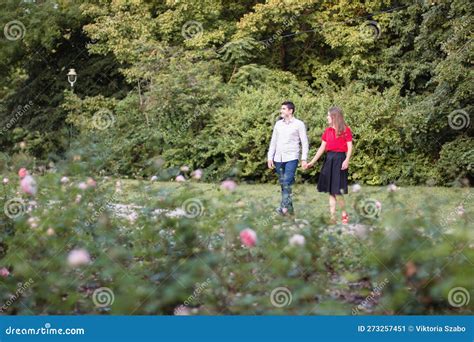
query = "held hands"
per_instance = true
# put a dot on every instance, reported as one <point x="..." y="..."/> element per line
<point x="307" y="166"/>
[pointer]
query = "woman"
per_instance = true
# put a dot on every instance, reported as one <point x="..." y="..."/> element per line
<point x="337" y="142"/>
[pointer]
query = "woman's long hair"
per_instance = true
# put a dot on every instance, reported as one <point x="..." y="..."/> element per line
<point x="337" y="117"/>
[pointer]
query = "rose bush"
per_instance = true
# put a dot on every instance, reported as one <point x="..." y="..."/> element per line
<point x="91" y="244"/>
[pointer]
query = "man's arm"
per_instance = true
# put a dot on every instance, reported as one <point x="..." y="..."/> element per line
<point x="272" y="149"/>
<point x="304" y="144"/>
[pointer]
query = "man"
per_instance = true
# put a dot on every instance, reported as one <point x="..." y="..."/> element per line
<point x="284" y="151"/>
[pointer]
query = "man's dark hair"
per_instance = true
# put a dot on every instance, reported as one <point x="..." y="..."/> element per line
<point x="289" y="105"/>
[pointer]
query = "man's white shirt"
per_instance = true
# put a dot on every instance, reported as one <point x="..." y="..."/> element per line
<point x="286" y="139"/>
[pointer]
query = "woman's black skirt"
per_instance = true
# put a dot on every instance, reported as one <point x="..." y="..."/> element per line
<point x="332" y="179"/>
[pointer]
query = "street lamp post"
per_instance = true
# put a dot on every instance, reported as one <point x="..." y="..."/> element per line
<point x="72" y="78"/>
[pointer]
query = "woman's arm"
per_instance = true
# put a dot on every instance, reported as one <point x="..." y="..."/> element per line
<point x="345" y="163"/>
<point x="320" y="152"/>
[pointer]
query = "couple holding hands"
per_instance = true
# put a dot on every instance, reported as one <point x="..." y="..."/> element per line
<point x="283" y="155"/>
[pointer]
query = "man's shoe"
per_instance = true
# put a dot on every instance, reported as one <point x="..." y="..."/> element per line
<point x="285" y="211"/>
<point x="280" y="211"/>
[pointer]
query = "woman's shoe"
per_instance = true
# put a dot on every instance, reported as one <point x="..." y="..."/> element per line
<point x="345" y="218"/>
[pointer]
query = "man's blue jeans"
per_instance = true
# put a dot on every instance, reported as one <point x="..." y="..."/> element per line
<point x="286" y="175"/>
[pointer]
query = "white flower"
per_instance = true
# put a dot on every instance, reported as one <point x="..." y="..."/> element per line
<point x="297" y="240"/>
<point x="182" y="311"/>
<point x="197" y="174"/>
<point x="184" y="168"/>
<point x="153" y="178"/>
<point x="5" y="180"/>
<point x="78" y="257"/>
<point x="82" y="186"/>
<point x="356" y="188"/>
<point x="33" y="222"/>
<point x="64" y="180"/>
<point x="392" y="188"/>
<point x="132" y="217"/>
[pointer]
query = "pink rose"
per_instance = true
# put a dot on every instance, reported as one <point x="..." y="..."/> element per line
<point x="22" y="172"/>
<point x="4" y="272"/>
<point x="78" y="257"/>
<point x="27" y="183"/>
<point x="180" y="178"/>
<point x="91" y="183"/>
<point x="378" y="205"/>
<point x="248" y="237"/>
<point x="229" y="185"/>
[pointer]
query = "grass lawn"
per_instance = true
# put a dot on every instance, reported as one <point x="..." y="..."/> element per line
<point x="309" y="202"/>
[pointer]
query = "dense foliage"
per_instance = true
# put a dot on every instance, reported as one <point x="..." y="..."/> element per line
<point x="200" y="83"/>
